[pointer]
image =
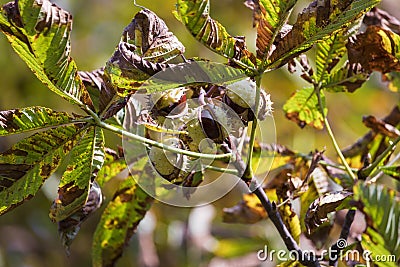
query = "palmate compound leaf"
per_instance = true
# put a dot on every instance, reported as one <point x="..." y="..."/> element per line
<point x="195" y="15"/>
<point x="39" y="32"/>
<point x="121" y="216"/>
<point x="304" y="109"/>
<point x="318" y="21"/>
<point x="85" y="160"/>
<point x="31" y="118"/>
<point x="145" y="47"/>
<point x="382" y="210"/>
<point x="25" y="166"/>
<point x="269" y="16"/>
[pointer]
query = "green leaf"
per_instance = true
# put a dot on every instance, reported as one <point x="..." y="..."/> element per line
<point x="86" y="159"/>
<point x="169" y="76"/>
<point x="39" y="31"/>
<point x="382" y="209"/>
<point x="303" y="108"/>
<point x="375" y="244"/>
<point x="194" y="14"/>
<point x="113" y="165"/>
<point x="393" y="171"/>
<point x="328" y="54"/>
<point x="32" y="118"/>
<point x="317" y="22"/>
<point x="269" y="17"/>
<point x="121" y="217"/>
<point x="344" y="79"/>
<point x="25" y="166"/>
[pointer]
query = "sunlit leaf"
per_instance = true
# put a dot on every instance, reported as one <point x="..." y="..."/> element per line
<point x="25" y="166"/>
<point x="120" y="218"/>
<point x="375" y="49"/>
<point x="345" y="79"/>
<point x="318" y="21"/>
<point x="328" y="54"/>
<point x="382" y="208"/>
<point x="304" y="109"/>
<point x="393" y="171"/>
<point x="163" y="77"/>
<point x="194" y="14"/>
<point x="86" y="158"/>
<point x="145" y="47"/>
<point x="319" y="209"/>
<point x="113" y="165"/>
<point x="375" y="244"/>
<point x="32" y="118"/>
<point x="269" y="16"/>
<point x="291" y="220"/>
<point x="39" y="31"/>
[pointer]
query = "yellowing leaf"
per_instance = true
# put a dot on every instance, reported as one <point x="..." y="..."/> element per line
<point x="29" y="119"/>
<point x="318" y="21"/>
<point x="303" y="108"/>
<point x="194" y="14"/>
<point x="269" y="17"/>
<point x="86" y="158"/>
<point x="121" y="217"/>
<point x="25" y="166"/>
<point x="39" y="31"/>
<point x="376" y="50"/>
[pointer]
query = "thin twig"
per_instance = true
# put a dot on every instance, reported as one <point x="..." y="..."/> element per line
<point x="335" y="248"/>
<point x="333" y="139"/>
<point x="143" y="140"/>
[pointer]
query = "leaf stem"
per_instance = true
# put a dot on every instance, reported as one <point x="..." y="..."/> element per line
<point x="249" y="171"/>
<point x="332" y="137"/>
<point x="228" y="171"/>
<point x="144" y="140"/>
<point x="368" y="170"/>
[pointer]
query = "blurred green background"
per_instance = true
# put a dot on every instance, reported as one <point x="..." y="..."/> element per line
<point x="182" y="237"/>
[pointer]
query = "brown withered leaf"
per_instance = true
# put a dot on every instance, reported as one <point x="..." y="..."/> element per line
<point x="269" y="17"/>
<point x="376" y="50"/>
<point x="69" y="227"/>
<point x="379" y="126"/>
<point x="145" y="46"/>
<point x="316" y="22"/>
<point x="319" y="209"/>
<point x="381" y="18"/>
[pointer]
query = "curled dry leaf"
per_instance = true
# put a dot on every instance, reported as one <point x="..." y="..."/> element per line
<point x="376" y="49"/>
<point x="145" y="46"/>
<point x="318" y="211"/>
<point x="379" y="126"/>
